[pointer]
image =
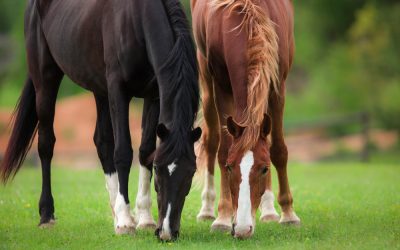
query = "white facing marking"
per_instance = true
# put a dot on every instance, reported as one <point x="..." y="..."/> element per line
<point x="166" y="230"/>
<point x="171" y="168"/>
<point x="112" y="187"/>
<point x="244" y="216"/>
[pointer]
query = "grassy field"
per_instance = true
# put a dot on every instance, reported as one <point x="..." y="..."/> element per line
<point x="342" y="206"/>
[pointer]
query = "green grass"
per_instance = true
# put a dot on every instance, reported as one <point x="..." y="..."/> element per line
<point x="342" y="206"/>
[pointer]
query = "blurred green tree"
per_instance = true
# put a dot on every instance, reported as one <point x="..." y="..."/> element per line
<point x="347" y="59"/>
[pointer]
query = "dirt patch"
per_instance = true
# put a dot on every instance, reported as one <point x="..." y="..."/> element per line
<point x="76" y="118"/>
<point x="312" y="146"/>
<point x="74" y="126"/>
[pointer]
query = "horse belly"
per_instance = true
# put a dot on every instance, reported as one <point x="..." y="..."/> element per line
<point x="74" y="38"/>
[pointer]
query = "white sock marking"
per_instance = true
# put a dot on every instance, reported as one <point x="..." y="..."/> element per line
<point x="143" y="199"/>
<point x="244" y="217"/>
<point x="267" y="204"/>
<point x="122" y="210"/>
<point x="208" y="196"/>
<point x="112" y="187"/>
<point x="171" y="168"/>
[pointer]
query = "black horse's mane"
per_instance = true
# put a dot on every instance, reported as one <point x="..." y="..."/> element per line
<point x="183" y="89"/>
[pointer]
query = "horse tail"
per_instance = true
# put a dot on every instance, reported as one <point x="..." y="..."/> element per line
<point x="183" y="91"/>
<point x="24" y="122"/>
<point x="262" y="62"/>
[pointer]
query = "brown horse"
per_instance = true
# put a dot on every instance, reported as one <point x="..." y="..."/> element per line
<point x="245" y="51"/>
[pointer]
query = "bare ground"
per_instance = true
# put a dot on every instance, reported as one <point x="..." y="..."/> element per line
<point x="76" y="117"/>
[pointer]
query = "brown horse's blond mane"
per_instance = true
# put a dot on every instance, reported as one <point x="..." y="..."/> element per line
<point x="263" y="64"/>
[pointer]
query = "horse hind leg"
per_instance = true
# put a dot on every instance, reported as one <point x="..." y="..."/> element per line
<point x="45" y="108"/>
<point x="46" y="77"/>
<point x="209" y="144"/>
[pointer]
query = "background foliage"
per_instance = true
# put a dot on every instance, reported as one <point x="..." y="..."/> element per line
<point x="347" y="59"/>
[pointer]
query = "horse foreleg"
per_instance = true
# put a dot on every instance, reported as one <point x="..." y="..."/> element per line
<point x="151" y="112"/>
<point x="268" y="212"/>
<point x="209" y="143"/>
<point x="225" y="211"/>
<point x="123" y="153"/>
<point x="279" y="157"/>
<point x="104" y="141"/>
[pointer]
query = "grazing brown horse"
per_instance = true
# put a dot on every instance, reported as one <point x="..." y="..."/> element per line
<point x="245" y="51"/>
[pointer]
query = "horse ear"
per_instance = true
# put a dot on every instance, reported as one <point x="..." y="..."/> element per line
<point x="196" y="134"/>
<point x="266" y="126"/>
<point x="162" y="131"/>
<point x="234" y="129"/>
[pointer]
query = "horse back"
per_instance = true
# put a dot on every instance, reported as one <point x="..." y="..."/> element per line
<point x="215" y="29"/>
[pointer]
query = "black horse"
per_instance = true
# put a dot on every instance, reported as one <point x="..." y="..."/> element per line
<point x="117" y="49"/>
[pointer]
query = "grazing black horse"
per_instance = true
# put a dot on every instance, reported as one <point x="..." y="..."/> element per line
<point x="117" y="49"/>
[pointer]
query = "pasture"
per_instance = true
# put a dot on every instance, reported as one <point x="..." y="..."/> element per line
<point x="342" y="206"/>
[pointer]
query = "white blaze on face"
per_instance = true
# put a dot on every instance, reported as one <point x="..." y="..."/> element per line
<point x="171" y="168"/>
<point x="244" y="218"/>
<point x="112" y="187"/>
<point x="166" y="229"/>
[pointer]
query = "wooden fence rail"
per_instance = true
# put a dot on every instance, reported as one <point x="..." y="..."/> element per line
<point x="362" y="119"/>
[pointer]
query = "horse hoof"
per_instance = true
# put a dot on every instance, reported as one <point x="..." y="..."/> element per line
<point x="269" y="218"/>
<point x="220" y="226"/>
<point x="290" y="219"/>
<point x="290" y="223"/>
<point x="47" y="224"/>
<point x="205" y="217"/>
<point x="124" y="230"/>
<point x="149" y="225"/>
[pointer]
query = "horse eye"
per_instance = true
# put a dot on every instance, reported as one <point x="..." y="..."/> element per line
<point x="229" y="168"/>
<point x="264" y="170"/>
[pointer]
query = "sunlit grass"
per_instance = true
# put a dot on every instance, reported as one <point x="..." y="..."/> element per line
<point x="342" y="206"/>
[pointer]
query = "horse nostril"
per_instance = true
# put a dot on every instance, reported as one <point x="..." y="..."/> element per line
<point x="251" y="229"/>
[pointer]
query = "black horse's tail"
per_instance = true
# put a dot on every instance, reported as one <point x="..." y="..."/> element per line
<point x="24" y="129"/>
<point x="183" y="90"/>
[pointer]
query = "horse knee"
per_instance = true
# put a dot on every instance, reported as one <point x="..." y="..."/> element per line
<point x="146" y="157"/>
<point x="123" y="157"/>
<point x="211" y="142"/>
<point x="279" y="154"/>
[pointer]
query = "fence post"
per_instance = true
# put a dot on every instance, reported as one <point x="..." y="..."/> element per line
<point x="365" y="124"/>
